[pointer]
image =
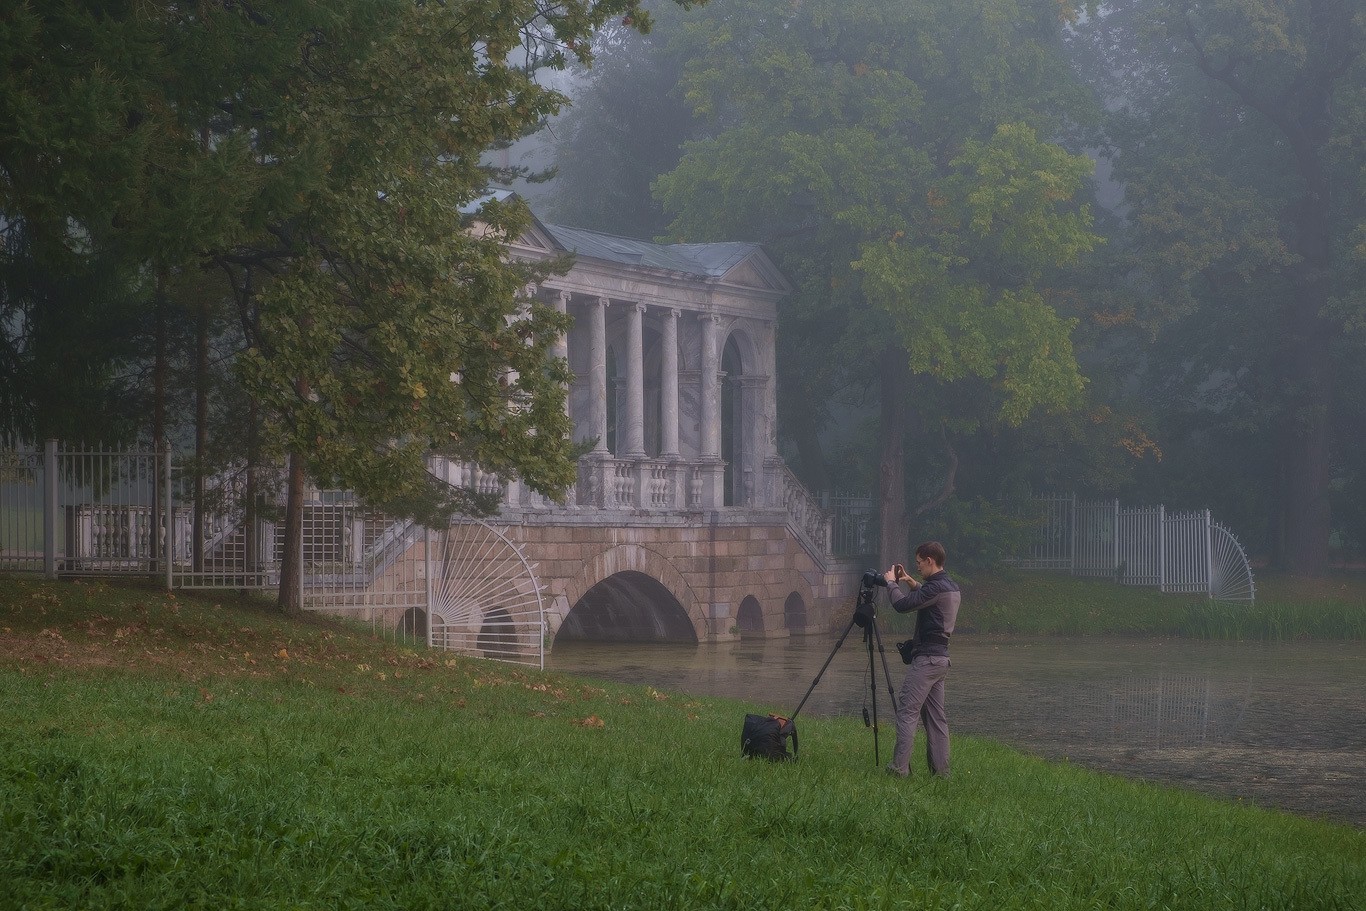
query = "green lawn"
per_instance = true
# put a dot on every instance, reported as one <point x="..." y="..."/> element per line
<point x="160" y="752"/>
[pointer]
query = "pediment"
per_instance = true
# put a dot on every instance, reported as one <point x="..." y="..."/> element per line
<point x="757" y="271"/>
<point x="537" y="237"/>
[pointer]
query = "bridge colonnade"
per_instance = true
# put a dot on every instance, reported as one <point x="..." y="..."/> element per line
<point x="682" y="501"/>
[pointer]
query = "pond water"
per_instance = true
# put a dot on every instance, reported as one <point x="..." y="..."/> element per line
<point x="1279" y="724"/>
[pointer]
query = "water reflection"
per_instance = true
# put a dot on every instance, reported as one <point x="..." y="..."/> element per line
<point x="1282" y="723"/>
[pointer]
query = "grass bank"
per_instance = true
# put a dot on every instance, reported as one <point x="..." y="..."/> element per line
<point x="1287" y="607"/>
<point x="158" y="752"/>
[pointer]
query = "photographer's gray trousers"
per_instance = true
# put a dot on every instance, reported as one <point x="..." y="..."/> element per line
<point x="922" y="700"/>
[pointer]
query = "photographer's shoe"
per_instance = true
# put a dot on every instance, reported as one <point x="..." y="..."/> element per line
<point x="896" y="773"/>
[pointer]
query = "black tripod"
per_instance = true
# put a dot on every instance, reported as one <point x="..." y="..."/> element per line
<point x="865" y="615"/>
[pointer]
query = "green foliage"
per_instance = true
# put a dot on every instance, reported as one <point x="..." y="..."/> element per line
<point x="196" y="767"/>
<point x="69" y="336"/>
<point x="324" y="159"/>
<point x="979" y="533"/>
<point x="901" y="162"/>
<point x="1237" y="137"/>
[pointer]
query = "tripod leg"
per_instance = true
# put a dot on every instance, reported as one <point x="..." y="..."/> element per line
<point x="872" y="684"/>
<point x="821" y="673"/>
<point x="886" y="672"/>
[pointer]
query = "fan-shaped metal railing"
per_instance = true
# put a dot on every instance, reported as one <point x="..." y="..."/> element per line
<point x="486" y="600"/>
<point x="1230" y="573"/>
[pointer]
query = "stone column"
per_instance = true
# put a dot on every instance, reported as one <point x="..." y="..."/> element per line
<point x="711" y="388"/>
<point x="635" y="383"/>
<point x="597" y="373"/>
<point x="560" y="301"/>
<point x="712" y="468"/>
<point x="668" y="412"/>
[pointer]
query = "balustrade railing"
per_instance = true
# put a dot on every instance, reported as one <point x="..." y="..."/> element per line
<point x="135" y="511"/>
<point x="804" y="511"/>
<point x="660" y="489"/>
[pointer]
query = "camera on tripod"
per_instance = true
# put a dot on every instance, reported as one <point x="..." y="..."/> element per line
<point x="873" y="577"/>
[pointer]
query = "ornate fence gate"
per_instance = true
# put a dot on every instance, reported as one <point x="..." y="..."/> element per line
<point x="1138" y="545"/>
<point x="466" y="588"/>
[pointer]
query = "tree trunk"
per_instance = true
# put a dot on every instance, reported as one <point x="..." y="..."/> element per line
<point x="810" y="453"/>
<point x="250" y="494"/>
<point x="159" y="412"/>
<point x="1310" y="379"/>
<point x="891" y="471"/>
<point x="291" y="565"/>
<point x="159" y="364"/>
<point x="201" y="428"/>
<point x="1307" y="437"/>
<point x="1308" y="518"/>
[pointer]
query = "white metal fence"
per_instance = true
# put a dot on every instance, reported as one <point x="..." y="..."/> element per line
<point x="1137" y="545"/>
<point x="82" y="511"/>
<point x="467" y="588"/>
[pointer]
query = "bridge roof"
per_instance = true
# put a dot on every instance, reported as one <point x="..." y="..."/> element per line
<point x="707" y="260"/>
<point x="734" y="262"/>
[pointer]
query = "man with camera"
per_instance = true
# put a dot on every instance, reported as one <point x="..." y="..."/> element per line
<point x="935" y="601"/>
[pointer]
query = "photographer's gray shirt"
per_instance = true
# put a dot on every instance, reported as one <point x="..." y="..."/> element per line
<point x="936" y="605"/>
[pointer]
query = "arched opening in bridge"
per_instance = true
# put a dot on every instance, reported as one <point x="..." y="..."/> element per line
<point x="749" y="619"/>
<point x="628" y="607"/>
<point x="498" y="635"/>
<point x="794" y="613"/>
<point x="412" y="626"/>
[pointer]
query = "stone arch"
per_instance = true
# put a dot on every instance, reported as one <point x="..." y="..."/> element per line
<point x="633" y="558"/>
<point x="736" y="331"/>
<point x="802" y="593"/>
<point x="794" y="613"/>
<point x="749" y="618"/>
<point x="743" y="392"/>
<point x="498" y="635"/>
<point x="412" y="626"/>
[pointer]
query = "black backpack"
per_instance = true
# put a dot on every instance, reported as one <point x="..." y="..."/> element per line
<point x="765" y="737"/>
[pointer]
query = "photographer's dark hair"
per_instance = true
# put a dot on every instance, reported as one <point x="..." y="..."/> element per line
<point x="932" y="550"/>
